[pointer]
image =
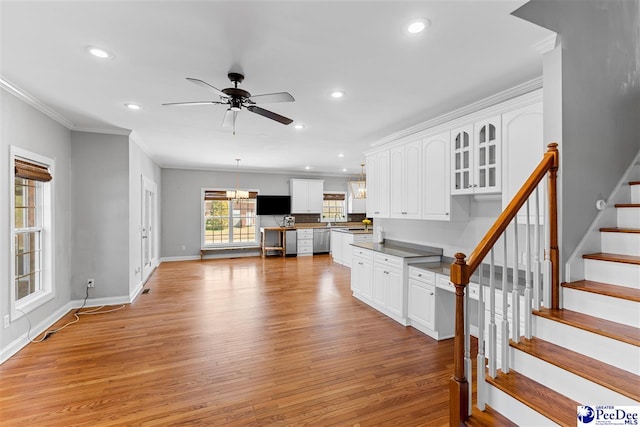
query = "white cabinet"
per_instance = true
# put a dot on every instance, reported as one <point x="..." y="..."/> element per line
<point x="306" y="195"/>
<point x="476" y="157"/>
<point x="378" y="184"/>
<point x="305" y="241"/>
<point x="336" y="246"/>
<point x="522" y="150"/>
<point x="405" y="191"/>
<point x="388" y="286"/>
<point x="362" y="274"/>
<point x="437" y="203"/>
<point x="431" y="309"/>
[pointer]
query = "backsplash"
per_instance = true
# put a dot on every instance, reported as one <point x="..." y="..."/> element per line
<point x="311" y="218"/>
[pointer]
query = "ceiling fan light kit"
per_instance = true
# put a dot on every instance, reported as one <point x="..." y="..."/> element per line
<point x="237" y="98"/>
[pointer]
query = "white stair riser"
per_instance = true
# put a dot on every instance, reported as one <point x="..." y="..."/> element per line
<point x="573" y="386"/>
<point x="515" y="410"/>
<point x="616" y="353"/>
<point x="628" y="217"/>
<point x="620" y="243"/>
<point x="615" y="273"/>
<point x="635" y="194"/>
<point x="602" y="306"/>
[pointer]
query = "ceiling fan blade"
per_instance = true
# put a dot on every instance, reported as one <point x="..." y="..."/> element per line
<point x="208" y="86"/>
<point x="269" y="114"/>
<point x="182" y="104"/>
<point x="229" y="119"/>
<point x="272" y="97"/>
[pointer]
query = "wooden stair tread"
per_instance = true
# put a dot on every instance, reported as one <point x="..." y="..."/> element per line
<point x="634" y="182"/>
<point x="608" y="376"/>
<point x="619" y="230"/>
<point x="488" y="418"/>
<point x="627" y="205"/>
<point x="553" y="405"/>
<point x="622" y="292"/>
<point x="613" y="330"/>
<point x="625" y="259"/>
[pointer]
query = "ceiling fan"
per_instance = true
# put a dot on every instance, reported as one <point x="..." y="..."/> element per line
<point x="237" y="98"/>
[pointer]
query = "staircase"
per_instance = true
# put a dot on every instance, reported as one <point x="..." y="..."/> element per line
<point x="588" y="352"/>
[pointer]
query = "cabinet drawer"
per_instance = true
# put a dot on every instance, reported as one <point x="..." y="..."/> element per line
<point x="363" y="253"/>
<point x="389" y="260"/>
<point x="428" y="277"/>
<point x="305" y="250"/>
<point x="443" y="282"/>
<point x="305" y="233"/>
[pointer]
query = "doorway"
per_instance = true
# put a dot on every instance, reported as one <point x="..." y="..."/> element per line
<point x="148" y="228"/>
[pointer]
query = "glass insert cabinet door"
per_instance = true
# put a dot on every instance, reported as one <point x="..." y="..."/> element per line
<point x="487" y="154"/>
<point x="462" y="160"/>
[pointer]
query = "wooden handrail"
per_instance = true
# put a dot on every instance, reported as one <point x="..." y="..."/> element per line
<point x="461" y="271"/>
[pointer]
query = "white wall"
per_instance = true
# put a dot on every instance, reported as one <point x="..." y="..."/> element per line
<point x="24" y="126"/>
<point x="181" y="201"/>
<point x="100" y="188"/>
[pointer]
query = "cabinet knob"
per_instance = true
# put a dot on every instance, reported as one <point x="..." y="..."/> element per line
<point x="419" y="275"/>
<point x="446" y="213"/>
<point x="431" y="293"/>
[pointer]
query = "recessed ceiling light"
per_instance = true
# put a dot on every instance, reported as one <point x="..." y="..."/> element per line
<point x="307" y="167"/>
<point x="418" y="25"/>
<point x="299" y="126"/>
<point x="340" y="155"/>
<point x="133" y="106"/>
<point x="99" y="52"/>
<point x="337" y="94"/>
<point x="344" y="169"/>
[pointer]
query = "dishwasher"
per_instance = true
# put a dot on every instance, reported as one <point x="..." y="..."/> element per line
<point x="321" y="240"/>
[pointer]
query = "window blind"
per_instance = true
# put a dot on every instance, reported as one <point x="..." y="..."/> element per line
<point x="222" y="194"/>
<point x="333" y="196"/>
<point x="28" y="170"/>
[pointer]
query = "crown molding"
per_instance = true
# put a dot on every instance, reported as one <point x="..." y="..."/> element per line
<point x="35" y="103"/>
<point x="547" y="44"/>
<point x="498" y="98"/>
<point x="118" y="131"/>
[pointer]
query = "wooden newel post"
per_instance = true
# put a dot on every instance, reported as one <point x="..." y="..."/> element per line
<point x="458" y="386"/>
<point x="554" y="252"/>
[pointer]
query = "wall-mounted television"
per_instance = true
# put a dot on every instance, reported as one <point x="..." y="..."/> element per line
<point x="273" y="205"/>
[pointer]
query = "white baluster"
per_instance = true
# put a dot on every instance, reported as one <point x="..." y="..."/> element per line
<point x="527" y="280"/>
<point x="493" y="330"/>
<point x="546" y="268"/>
<point x="468" y="370"/>
<point x="536" y="254"/>
<point x="504" y="337"/>
<point x="480" y="374"/>
<point x="515" y="289"/>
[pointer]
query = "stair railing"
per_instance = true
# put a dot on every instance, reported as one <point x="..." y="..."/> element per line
<point x="539" y="286"/>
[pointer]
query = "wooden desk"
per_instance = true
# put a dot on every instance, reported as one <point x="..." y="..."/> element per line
<point x="281" y="243"/>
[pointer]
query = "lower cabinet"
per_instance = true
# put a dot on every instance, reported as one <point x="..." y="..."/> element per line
<point x="341" y="248"/>
<point x="381" y="281"/>
<point x="305" y="241"/>
<point x="431" y="309"/>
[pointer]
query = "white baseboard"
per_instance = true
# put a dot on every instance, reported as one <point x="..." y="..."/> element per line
<point x="19" y="343"/>
<point x="180" y="258"/>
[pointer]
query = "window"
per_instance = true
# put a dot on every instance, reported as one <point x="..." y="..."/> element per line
<point x="31" y="207"/>
<point x="334" y="207"/>
<point x="229" y="222"/>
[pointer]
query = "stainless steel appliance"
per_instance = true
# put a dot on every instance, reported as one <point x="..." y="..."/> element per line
<point x="291" y="247"/>
<point x="289" y="221"/>
<point x="321" y="240"/>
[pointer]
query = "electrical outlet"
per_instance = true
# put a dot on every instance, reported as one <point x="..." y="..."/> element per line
<point x="91" y="283"/>
<point x="7" y="321"/>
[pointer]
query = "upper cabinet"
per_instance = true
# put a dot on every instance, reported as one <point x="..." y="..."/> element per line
<point x="306" y="195"/>
<point x="405" y="191"/>
<point x="378" y="184"/>
<point x="476" y="165"/>
<point x="522" y="150"/>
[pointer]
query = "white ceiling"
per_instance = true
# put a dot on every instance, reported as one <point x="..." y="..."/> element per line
<point x="392" y="80"/>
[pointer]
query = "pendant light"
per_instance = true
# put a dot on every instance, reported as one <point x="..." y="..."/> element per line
<point x="237" y="194"/>
<point x="358" y="186"/>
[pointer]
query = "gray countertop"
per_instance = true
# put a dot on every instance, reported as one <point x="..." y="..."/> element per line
<point x="352" y="230"/>
<point x="398" y="250"/>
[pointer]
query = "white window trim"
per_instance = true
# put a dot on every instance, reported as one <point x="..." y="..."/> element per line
<point x="344" y="208"/>
<point x="47" y="291"/>
<point x="224" y="245"/>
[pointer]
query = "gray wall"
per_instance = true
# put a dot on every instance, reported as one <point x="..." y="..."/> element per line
<point x="100" y="188"/>
<point x="181" y="202"/>
<point x="24" y="126"/>
<point x="600" y="91"/>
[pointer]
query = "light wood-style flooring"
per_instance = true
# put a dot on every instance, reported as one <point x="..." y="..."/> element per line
<point x="238" y="342"/>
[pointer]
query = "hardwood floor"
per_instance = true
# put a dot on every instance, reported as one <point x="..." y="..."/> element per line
<point x="241" y="342"/>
